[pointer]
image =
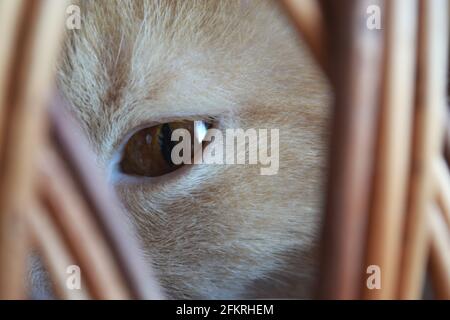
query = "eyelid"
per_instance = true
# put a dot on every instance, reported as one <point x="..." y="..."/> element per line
<point x="148" y="124"/>
<point x="117" y="177"/>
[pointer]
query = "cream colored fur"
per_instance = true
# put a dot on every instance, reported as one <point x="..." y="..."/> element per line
<point x="211" y="231"/>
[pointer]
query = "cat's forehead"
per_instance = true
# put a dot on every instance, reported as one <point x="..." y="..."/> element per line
<point x="135" y="60"/>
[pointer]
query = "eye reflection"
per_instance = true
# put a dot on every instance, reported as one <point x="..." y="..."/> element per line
<point x="148" y="152"/>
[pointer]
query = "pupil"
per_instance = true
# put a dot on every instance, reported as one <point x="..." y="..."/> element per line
<point x="166" y="144"/>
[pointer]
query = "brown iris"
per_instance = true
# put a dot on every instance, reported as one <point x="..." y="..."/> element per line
<point x="148" y="151"/>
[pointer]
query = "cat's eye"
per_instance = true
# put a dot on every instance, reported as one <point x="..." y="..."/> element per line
<point x="148" y="152"/>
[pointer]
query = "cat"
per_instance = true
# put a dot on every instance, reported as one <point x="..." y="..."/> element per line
<point x="210" y="231"/>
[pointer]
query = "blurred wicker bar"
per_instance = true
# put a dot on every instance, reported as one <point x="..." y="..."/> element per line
<point x="442" y="178"/>
<point x="410" y="173"/>
<point x="51" y="200"/>
<point x="69" y="211"/>
<point x="107" y="218"/>
<point x="392" y="167"/>
<point x="428" y="140"/>
<point x="25" y="92"/>
<point x="49" y="240"/>
<point x="439" y="254"/>
<point x="355" y="72"/>
<point x="447" y="137"/>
